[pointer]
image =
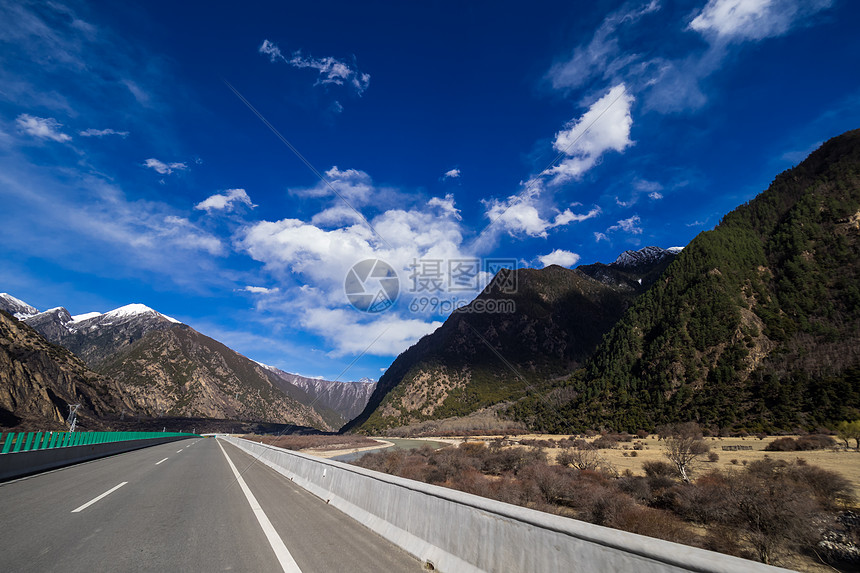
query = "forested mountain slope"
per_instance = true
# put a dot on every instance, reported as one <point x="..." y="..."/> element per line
<point x="756" y="324"/>
<point x="505" y="343"/>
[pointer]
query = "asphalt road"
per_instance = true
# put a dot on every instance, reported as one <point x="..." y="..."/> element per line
<point x="180" y="507"/>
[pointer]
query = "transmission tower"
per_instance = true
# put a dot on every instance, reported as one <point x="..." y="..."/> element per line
<point x="72" y="420"/>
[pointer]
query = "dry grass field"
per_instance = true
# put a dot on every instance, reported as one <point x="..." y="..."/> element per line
<point x="624" y="457"/>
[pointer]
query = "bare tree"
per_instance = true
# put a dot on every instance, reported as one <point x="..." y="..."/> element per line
<point x="849" y="431"/>
<point x="684" y="446"/>
<point x="584" y="457"/>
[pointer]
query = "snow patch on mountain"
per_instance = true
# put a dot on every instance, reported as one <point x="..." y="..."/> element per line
<point x="17" y="307"/>
<point x="645" y="256"/>
<point x="136" y="309"/>
<point x="85" y="316"/>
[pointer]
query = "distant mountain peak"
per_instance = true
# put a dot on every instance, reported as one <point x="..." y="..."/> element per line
<point x="133" y="310"/>
<point x="645" y="256"/>
<point x="16" y="307"/>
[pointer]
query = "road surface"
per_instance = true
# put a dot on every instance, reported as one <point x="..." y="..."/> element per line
<point x="181" y="507"/>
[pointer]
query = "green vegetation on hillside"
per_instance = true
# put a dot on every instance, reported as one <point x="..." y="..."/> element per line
<point x="756" y="324"/>
<point x="560" y="317"/>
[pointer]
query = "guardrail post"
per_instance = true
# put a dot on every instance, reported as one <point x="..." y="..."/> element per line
<point x="8" y="443"/>
<point x="19" y="442"/>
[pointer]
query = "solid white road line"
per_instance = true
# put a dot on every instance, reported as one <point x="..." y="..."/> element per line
<point x="164" y="460"/>
<point x="105" y="494"/>
<point x="281" y="551"/>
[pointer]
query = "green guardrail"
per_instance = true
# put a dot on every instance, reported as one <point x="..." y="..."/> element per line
<point x="30" y="441"/>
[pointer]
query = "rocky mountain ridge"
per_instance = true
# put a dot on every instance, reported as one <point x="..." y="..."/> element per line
<point x="164" y="367"/>
<point x="346" y="398"/>
<point x="38" y="380"/>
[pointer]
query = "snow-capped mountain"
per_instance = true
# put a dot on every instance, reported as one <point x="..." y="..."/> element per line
<point x="95" y="336"/>
<point x="645" y="256"/>
<point x="159" y="366"/>
<point x="17" y="308"/>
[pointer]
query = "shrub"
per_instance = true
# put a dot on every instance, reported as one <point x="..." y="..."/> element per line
<point x="553" y="482"/>
<point x="829" y="488"/>
<point x="769" y="509"/>
<point x="511" y="460"/>
<point x="815" y="442"/>
<point x="803" y="443"/>
<point x="658" y="469"/>
<point x="782" y="445"/>
<point x="654" y="523"/>
<point x="636" y="487"/>
<point x="641" y="434"/>
<point x="606" y="506"/>
<point x="713" y="457"/>
<point x="605" y="442"/>
<point x="703" y="501"/>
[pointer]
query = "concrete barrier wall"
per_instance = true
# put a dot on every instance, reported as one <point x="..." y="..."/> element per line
<point x="460" y="532"/>
<point x="19" y="464"/>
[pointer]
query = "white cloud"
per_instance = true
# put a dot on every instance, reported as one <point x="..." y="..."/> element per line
<point x="90" y="223"/>
<point x="353" y="185"/>
<point x="559" y="257"/>
<point x="645" y="185"/>
<point x="604" y="127"/>
<point x="452" y="174"/>
<point x="652" y="188"/>
<point x="260" y="290"/>
<point x="743" y="20"/>
<point x="182" y="233"/>
<point x="446" y="205"/>
<point x="331" y="70"/>
<point x="630" y="225"/>
<point x="226" y="201"/>
<point x="568" y="216"/>
<point x="164" y="168"/>
<point x="314" y="260"/>
<point x="271" y="50"/>
<point x="520" y="214"/>
<point x="602" y="55"/>
<point x="42" y="127"/>
<point x="101" y="133"/>
<point x="600" y="237"/>
<point x="351" y="335"/>
<point x="338" y="214"/>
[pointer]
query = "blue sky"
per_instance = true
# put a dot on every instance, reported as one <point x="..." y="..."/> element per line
<point x="430" y="134"/>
